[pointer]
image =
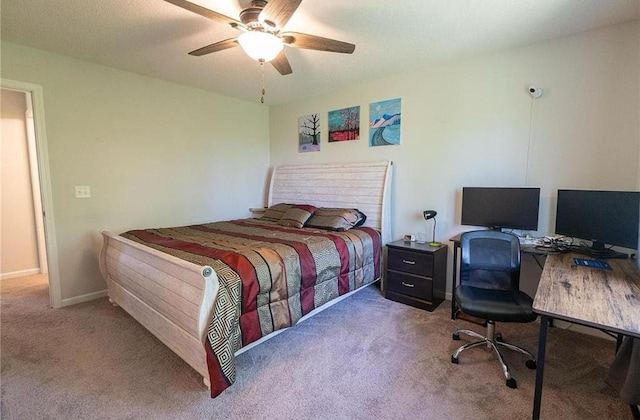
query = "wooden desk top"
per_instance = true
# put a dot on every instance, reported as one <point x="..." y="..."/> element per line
<point x="606" y="299"/>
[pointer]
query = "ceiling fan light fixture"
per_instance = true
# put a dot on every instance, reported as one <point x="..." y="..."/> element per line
<point x="261" y="46"/>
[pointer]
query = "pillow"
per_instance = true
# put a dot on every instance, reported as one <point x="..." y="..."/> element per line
<point x="363" y="218"/>
<point x="297" y="216"/>
<point x="275" y="212"/>
<point x="336" y="219"/>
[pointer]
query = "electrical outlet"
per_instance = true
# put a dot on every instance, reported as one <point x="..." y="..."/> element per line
<point x="83" y="191"/>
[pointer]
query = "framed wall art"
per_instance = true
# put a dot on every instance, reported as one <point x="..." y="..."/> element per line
<point x="309" y="133"/>
<point x="384" y="122"/>
<point x="344" y="124"/>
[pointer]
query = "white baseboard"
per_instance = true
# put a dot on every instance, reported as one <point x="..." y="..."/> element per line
<point x="84" y="298"/>
<point x="564" y="325"/>
<point x="21" y="273"/>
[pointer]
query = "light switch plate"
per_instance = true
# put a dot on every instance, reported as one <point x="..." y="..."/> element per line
<point x="83" y="191"/>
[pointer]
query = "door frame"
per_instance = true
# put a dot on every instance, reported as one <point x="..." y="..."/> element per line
<point x="37" y="100"/>
<point x="35" y="185"/>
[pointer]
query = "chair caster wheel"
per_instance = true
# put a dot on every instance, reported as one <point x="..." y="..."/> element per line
<point x="499" y="338"/>
<point x="454" y="360"/>
<point x="511" y="383"/>
<point x="531" y="364"/>
<point x="456" y="336"/>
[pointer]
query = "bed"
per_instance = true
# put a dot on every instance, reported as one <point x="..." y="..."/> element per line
<point x="183" y="284"/>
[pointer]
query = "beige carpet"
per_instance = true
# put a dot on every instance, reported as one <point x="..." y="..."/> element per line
<point x="364" y="358"/>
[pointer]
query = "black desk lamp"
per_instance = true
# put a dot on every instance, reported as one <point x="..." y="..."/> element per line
<point x="431" y="214"/>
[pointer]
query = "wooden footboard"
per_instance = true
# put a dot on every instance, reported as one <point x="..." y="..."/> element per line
<point x="170" y="297"/>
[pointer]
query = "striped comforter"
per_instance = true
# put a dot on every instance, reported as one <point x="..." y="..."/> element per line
<point x="270" y="276"/>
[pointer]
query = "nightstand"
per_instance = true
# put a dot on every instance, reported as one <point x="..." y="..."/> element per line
<point x="416" y="274"/>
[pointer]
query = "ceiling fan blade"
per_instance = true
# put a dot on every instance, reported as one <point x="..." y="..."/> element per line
<point x="203" y="11"/>
<point x="313" y="42"/>
<point x="278" y="12"/>
<point x="217" y="46"/>
<point x="281" y="63"/>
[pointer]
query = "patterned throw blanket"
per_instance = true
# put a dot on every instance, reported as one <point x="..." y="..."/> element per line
<point x="270" y="276"/>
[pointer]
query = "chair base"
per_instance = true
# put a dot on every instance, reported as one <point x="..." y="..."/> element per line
<point x="492" y="342"/>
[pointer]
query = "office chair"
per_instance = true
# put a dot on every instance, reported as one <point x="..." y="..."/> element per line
<point x="490" y="289"/>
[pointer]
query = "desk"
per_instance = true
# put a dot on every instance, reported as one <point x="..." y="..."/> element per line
<point x="526" y="249"/>
<point x="605" y="299"/>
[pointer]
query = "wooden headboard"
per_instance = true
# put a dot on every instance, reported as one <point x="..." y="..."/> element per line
<point x="365" y="186"/>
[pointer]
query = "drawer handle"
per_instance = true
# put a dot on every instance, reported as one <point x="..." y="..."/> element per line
<point x="409" y="262"/>
<point x="407" y="284"/>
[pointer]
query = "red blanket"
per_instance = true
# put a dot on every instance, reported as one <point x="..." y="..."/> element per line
<point x="270" y="276"/>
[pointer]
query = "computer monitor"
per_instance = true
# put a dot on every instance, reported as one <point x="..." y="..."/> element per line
<point x="603" y="217"/>
<point x="501" y="207"/>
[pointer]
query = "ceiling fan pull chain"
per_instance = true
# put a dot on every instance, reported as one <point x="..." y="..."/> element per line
<point x="262" y="69"/>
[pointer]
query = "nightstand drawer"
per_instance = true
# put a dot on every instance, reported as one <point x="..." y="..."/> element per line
<point x="410" y="262"/>
<point x="410" y="285"/>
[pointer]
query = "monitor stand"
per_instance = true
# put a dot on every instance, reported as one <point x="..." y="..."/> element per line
<point x="598" y="250"/>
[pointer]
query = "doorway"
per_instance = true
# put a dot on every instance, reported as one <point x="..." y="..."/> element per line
<point x="28" y="197"/>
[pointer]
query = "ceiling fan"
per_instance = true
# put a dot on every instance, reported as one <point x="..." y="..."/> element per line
<point x="261" y="38"/>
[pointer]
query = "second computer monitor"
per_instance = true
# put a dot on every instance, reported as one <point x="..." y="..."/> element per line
<point x="603" y="217"/>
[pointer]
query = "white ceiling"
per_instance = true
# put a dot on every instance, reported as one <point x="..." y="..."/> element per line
<point x="152" y="37"/>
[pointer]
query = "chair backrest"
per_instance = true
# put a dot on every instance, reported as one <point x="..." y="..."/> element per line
<point x="490" y="259"/>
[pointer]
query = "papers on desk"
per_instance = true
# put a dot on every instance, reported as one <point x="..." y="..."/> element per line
<point x="529" y="241"/>
<point x="603" y="265"/>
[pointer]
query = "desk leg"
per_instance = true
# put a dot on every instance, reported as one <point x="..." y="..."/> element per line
<point x="454" y="282"/>
<point x="619" y="338"/>
<point x="542" y="348"/>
